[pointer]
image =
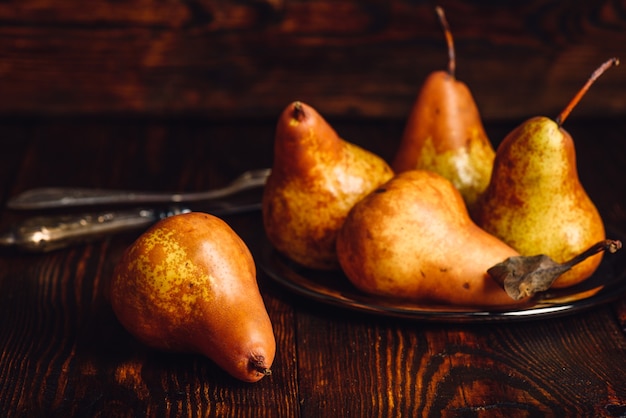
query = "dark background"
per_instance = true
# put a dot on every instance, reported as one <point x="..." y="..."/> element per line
<point x="249" y="59"/>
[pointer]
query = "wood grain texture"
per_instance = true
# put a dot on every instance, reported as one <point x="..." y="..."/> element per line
<point x="80" y="362"/>
<point x="63" y="353"/>
<point x="251" y="58"/>
<point x="452" y="371"/>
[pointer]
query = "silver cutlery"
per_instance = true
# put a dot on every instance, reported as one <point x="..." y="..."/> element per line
<point x="52" y="232"/>
<point x="48" y="232"/>
<point x="67" y="197"/>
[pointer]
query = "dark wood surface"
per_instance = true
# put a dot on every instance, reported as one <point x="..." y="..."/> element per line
<point x="184" y="95"/>
<point x="63" y="353"/>
<point x="250" y="58"/>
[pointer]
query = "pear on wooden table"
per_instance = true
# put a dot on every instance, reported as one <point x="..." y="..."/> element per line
<point x="188" y="284"/>
<point x="444" y="132"/>
<point x="316" y="178"/>
<point x="535" y="201"/>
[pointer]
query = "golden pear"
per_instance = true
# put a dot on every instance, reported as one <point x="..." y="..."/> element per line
<point x="412" y="238"/>
<point x="444" y="132"/>
<point x="535" y="201"/>
<point x="316" y="178"/>
<point x="189" y="284"/>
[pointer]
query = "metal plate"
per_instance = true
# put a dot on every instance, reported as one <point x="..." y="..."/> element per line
<point x="606" y="285"/>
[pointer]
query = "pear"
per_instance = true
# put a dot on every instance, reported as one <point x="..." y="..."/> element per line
<point x="315" y="180"/>
<point x="535" y="201"/>
<point x="444" y="132"/>
<point x="188" y="284"/>
<point x="413" y="239"/>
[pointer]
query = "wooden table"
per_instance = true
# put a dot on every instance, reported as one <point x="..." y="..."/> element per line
<point x="63" y="353"/>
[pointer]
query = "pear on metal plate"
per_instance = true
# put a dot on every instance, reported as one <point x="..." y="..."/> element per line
<point x="412" y="239"/>
<point x="444" y="132"/>
<point x="316" y="178"/>
<point x="535" y="201"/>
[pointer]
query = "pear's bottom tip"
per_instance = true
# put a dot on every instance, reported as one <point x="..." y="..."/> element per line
<point x="258" y="364"/>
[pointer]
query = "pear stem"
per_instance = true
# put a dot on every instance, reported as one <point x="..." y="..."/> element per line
<point x="448" y="34"/>
<point x="298" y="112"/>
<point x="264" y="371"/>
<point x="597" y="73"/>
<point x="523" y="276"/>
<point x="607" y="245"/>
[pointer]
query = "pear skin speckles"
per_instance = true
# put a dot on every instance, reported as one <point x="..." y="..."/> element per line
<point x="174" y="278"/>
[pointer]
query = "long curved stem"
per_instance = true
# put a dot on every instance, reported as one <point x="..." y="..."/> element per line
<point x="597" y="73"/>
<point x="448" y="34"/>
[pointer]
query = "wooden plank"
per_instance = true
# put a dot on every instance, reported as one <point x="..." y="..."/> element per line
<point x="14" y="139"/>
<point x="349" y="58"/>
<point x="63" y="353"/>
<point x="385" y="368"/>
